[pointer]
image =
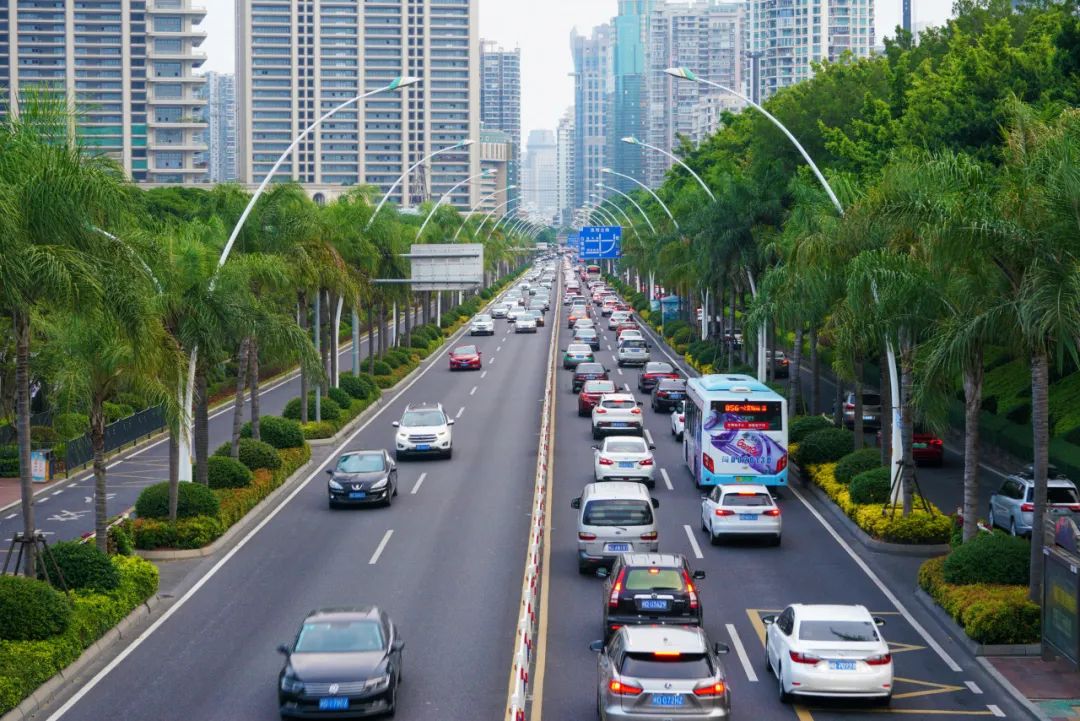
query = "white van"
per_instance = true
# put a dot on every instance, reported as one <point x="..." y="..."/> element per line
<point x="615" y="517"/>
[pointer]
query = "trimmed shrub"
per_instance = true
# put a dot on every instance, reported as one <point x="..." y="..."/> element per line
<point x="331" y="411"/>
<point x="279" y="432"/>
<point x="116" y="411"/>
<point x="358" y="387"/>
<point x="119" y="540"/>
<point x="31" y="610"/>
<point x="682" y="335"/>
<point x="420" y="342"/>
<point x="340" y="396"/>
<point x="851" y="465"/>
<point x="71" y="425"/>
<point x="380" y="368"/>
<point x="989" y="558"/>
<point x="194" y="532"/>
<point x="137" y="402"/>
<point x="226" y="472"/>
<point x="802" y="426"/>
<point x="9" y="461"/>
<point x="314" y="430"/>
<point x="43" y="436"/>
<point x="252" y="453"/>
<point x="82" y="565"/>
<point x="193" y="499"/>
<point x="391" y="360"/>
<point x="989" y="614"/>
<point x="824" y="446"/>
<point x="871" y="486"/>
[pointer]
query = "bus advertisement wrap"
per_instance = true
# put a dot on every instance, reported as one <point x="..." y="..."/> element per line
<point x="739" y="431"/>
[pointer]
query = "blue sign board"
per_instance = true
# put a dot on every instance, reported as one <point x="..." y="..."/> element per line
<point x="603" y="241"/>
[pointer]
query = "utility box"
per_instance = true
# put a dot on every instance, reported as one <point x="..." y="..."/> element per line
<point x="1061" y="593"/>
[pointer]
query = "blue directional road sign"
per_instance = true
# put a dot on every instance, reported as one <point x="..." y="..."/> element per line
<point x="603" y="241"/>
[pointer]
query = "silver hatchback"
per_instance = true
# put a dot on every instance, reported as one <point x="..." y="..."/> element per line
<point x="1012" y="507"/>
<point x="647" y="673"/>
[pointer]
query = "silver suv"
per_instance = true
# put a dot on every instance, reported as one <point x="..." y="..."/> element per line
<point x="424" y="430"/>
<point x="1012" y="507"/>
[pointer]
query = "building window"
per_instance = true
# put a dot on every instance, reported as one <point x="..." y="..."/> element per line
<point x="168" y="161"/>
<point x="168" y="24"/>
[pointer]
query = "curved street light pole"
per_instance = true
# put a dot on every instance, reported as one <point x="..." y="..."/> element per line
<point x="632" y="202"/>
<point x="463" y="144"/>
<point x="446" y="196"/>
<point x="622" y="212"/>
<point x="634" y="141"/>
<point x="486" y="218"/>
<point x="480" y="202"/>
<point x="187" y="391"/>
<point x="648" y="190"/>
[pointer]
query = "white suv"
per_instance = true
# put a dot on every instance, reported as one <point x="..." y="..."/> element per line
<point x="482" y="325"/>
<point x="617" y="414"/>
<point x="424" y="429"/>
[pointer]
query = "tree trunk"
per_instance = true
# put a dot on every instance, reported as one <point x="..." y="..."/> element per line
<point x="371" y="337"/>
<point x="794" y="374"/>
<point x="174" y="469"/>
<point x="886" y="412"/>
<point x="729" y="348"/>
<point x="382" y="328"/>
<point x="325" y="320"/>
<point x="253" y="379"/>
<point x="333" y="338"/>
<point x="238" y="399"/>
<point x="770" y="352"/>
<point x="907" y="378"/>
<point x="97" y="442"/>
<point x="838" y="403"/>
<point x="1040" y="423"/>
<point x="815" y="372"/>
<point x="973" y="381"/>
<point x="305" y="381"/>
<point x="22" y="411"/>
<point x="858" y="412"/>
<point x="410" y="308"/>
<point x="202" y="423"/>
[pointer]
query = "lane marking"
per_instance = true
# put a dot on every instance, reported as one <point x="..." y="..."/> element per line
<point x="648" y="436"/>
<point x="973" y="687"/>
<point x="626" y="386"/>
<point x="419" y="482"/>
<point x="929" y="688"/>
<point x="470" y="393"/>
<point x="995" y="710"/>
<point x="462" y="409"/>
<point x="57" y="493"/>
<point x="483" y="375"/>
<point x="693" y="542"/>
<point x="741" y="651"/>
<point x="492" y="361"/>
<point x="10" y="516"/>
<point x="620" y="370"/>
<point x="667" y="479"/>
<point x="897" y="604"/>
<point x="381" y="547"/>
<point x="497" y="349"/>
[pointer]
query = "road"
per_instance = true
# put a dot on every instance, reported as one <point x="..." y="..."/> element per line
<point x="445" y="561"/>
<point x="745" y="580"/>
<point x="66" y="510"/>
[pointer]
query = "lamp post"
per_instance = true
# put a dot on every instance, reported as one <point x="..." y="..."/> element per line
<point x="632" y="202"/>
<point x="634" y="141"/>
<point x="446" y="196"/>
<point x="505" y="204"/>
<point x="463" y="144"/>
<point x="622" y="212"/>
<point x="480" y="202"/>
<point x="647" y="189"/>
<point x="187" y="392"/>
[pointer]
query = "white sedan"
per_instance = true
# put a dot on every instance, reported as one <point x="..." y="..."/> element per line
<point x="740" y="509"/>
<point x="828" y="650"/>
<point x="525" y="323"/>
<point x="513" y="313"/>
<point x="629" y="334"/>
<point x="678" y="421"/>
<point x="624" y="458"/>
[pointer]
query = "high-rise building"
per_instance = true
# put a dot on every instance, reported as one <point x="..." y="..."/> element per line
<point x="708" y="38"/>
<point x="500" y="98"/>
<point x="539" y="177"/>
<point x="564" y="167"/>
<point x="629" y="108"/>
<point x="593" y="89"/>
<point x="794" y="34"/>
<point x="220" y="94"/>
<point x="299" y="59"/>
<point x="129" y="68"/>
<point x="496" y="154"/>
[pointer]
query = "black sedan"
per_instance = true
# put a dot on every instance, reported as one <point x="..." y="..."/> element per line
<point x="667" y="394"/>
<point x="362" y="478"/>
<point x="588" y="372"/>
<point x="343" y="663"/>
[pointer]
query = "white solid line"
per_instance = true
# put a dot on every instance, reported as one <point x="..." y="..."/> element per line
<point x="419" y="482"/>
<point x="462" y="410"/>
<point x="213" y="571"/>
<point x="667" y="479"/>
<point x="483" y="375"/>
<point x="995" y="710"/>
<point x="741" y="651"/>
<point x="648" y="436"/>
<point x="473" y="391"/>
<point x="381" y="547"/>
<point x="693" y="542"/>
<point x="930" y="641"/>
<point x="973" y="687"/>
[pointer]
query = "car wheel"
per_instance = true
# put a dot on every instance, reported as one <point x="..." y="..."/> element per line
<point x="582" y="569"/>
<point x="393" y="703"/>
<point x="678" y="437"/>
<point x="885" y="701"/>
<point x="595" y="435"/>
<point x="1012" y="527"/>
<point x="333" y="506"/>
<point x="715" y="538"/>
<point x="782" y="693"/>
<point x="399" y="456"/>
<point x="389" y="498"/>
<point x="776" y="540"/>
<point x="449" y="453"/>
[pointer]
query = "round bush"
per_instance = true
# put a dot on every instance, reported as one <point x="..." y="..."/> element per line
<point x="279" y="432"/>
<point x="132" y="399"/>
<point x="116" y="411"/>
<point x="802" y="426"/>
<point x="824" y="446"/>
<point x="252" y="453"/>
<point x="353" y="386"/>
<point x="420" y="342"/>
<point x="43" y="436"/>
<point x="315" y="430"/>
<point x="990" y="558"/>
<point x="31" y="610"/>
<point x="340" y="396"/>
<point x="226" y="472"/>
<point x="331" y="411"/>
<point x="71" y="425"/>
<point x="871" y="486"/>
<point x="851" y="465"/>
<point x="193" y="499"/>
<point x="391" y="360"/>
<point x="82" y="565"/>
<point x="682" y="335"/>
<point x="380" y="368"/>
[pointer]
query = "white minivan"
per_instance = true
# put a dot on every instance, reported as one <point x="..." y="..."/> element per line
<point x="614" y="517"/>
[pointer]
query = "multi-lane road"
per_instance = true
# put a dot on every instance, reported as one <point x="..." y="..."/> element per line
<point x="446" y="562"/>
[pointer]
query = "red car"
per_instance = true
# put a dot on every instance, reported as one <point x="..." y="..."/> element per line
<point x="926" y="447"/>
<point x="590" y="395"/>
<point x="628" y="324"/>
<point x="466" y="357"/>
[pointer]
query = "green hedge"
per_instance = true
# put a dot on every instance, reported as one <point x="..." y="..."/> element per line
<point x="851" y="465"/>
<point x="329" y="409"/>
<point x="252" y="453"/>
<point x="279" y="432"/>
<point x="226" y="472"/>
<point x="989" y="558"/>
<point x="81" y="565"/>
<point x="802" y="426"/>
<point x="193" y="499"/>
<point x="31" y="610"/>
<point x="824" y="446"/>
<point x="871" y="486"/>
<point x="340" y="396"/>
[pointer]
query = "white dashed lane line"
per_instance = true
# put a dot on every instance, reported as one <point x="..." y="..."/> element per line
<point x="462" y="410"/>
<point x="498" y="348"/>
<point x="419" y="482"/>
<point x="667" y="479"/>
<point x="483" y="375"/>
<point x="648" y="436"/>
<point x="473" y="391"/>
<point x="10" y="516"/>
<point x="740" y="651"/>
<point x="620" y="370"/>
<point x="996" y="711"/>
<point x="381" y="548"/>
<point x="693" y="542"/>
<point x="57" y="493"/>
<point x="973" y="687"/>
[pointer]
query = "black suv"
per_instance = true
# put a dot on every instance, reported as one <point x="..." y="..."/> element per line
<point x="667" y="394"/>
<point x="650" y="588"/>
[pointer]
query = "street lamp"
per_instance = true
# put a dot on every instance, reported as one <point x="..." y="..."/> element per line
<point x="647" y="189"/>
<point x="632" y="202"/>
<point x="463" y="144"/>
<point x="480" y="202"/>
<point x="603" y="200"/>
<point x="634" y="141"/>
<point x="506" y="203"/>
<point x="446" y="196"/>
<point x="187" y="393"/>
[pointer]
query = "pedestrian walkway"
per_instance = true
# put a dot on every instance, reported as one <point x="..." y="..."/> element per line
<point x="1053" y="686"/>
<point x="10" y="491"/>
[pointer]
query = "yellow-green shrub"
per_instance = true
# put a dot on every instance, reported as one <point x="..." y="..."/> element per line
<point x="988" y="613"/>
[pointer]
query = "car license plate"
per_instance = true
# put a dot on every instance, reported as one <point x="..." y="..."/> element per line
<point x="423" y="447"/>
<point x="358" y="495"/>
<point x="667" y="699"/>
<point x="868" y="418"/>
<point x="618" y="425"/>
<point x="333" y="703"/>
<point x="841" y="665"/>
<point x="675" y="396"/>
<point x="617" y="547"/>
<point x="744" y="479"/>
<point x="747" y="516"/>
<point x="918" y="446"/>
<point x="626" y="464"/>
<point x="654" y="604"/>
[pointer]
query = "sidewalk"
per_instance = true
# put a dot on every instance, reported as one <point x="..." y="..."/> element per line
<point x="10" y="491"/>
<point x="1053" y="686"/>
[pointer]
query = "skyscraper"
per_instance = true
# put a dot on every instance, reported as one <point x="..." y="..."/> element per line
<point x="220" y="92"/>
<point x="496" y="152"/>
<point x="540" y="170"/>
<point x="564" y="167"/>
<point x="500" y="99"/>
<point x="298" y="59"/>
<point x="593" y="88"/>
<point x="129" y="68"/>
<point x="630" y="96"/>
<point x="794" y="34"/>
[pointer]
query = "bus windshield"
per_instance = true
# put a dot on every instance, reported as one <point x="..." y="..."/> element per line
<point x="746" y="415"/>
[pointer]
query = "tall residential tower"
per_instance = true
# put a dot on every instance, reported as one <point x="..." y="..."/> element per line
<point x="220" y="92"/>
<point x="593" y="89"/>
<point x="500" y="100"/>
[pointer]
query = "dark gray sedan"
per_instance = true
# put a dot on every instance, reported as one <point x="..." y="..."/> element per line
<point x="362" y="478"/>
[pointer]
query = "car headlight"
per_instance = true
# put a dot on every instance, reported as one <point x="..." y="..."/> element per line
<point x="335" y="485"/>
<point x="291" y="684"/>
<point x="380" y="484"/>
<point x="403" y="436"/>
<point x="443" y="434"/>
<point x="377" y="682"/>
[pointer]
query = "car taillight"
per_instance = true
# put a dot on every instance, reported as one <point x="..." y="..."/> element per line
<point x="882" y="660"/>
<point x="682" y="418"/>
<point x="582" y="536"/>
<point x="781" y="464"/>
<point x="646" y="461"/>
<point x="1027" y="507"/>
<point x="849" y="406"/>
<point x="616" y="589"/>
<point x="937" y="442"/>
<point x="723" y="512"/>
<point x="650" y="536"/>
<point x="690" y="590"/>
<point x="708" y="463"/>
<point x="606" y="461"/>
<point x="771" y="512"/>
<point x="620" y="688"/>
<point x="712" y="689"/>
<point x="600" y="409"/>
<point x="1074" y="507"/>
<point x="635" y="411"/>
<point x="804" y="657"/>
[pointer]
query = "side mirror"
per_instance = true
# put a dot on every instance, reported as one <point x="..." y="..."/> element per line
<point x="698" y="575"/>
<point x="397" y="645"/>
<point x="396" y="424"/>
<point x="575" y="502"/>
<point x="769" y="620"/>
<point x="450" y="422"/>
<point x="655" y="503"/>
<point x="721" y="649"/>
<point x="329" y="471"/>
<point x="284" y="649"/>
<point x="640" y="403"/>
<point x="602" y="572"/>
<point x="596" y="646"/>
<point x="596" y="448"/>
<point x="652" y="447"/>
<point x="879" y="621"/>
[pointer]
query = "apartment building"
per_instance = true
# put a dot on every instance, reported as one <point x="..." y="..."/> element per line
<point x="593" y="89"/>
<point x="564" y="167"/>
<point x="500" y="99"/>
<point x="220" y="95"/>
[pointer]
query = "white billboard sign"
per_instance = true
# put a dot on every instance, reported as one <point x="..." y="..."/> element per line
<point x="448" y="266"/>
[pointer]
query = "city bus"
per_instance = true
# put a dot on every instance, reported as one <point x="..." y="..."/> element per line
<point x="736" y="431"/>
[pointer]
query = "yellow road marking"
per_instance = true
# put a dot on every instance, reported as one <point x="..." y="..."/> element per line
<point x="930" y="688"/>
<point x="927" y="711"/>
<point x="897" y="647"/>
<point x="801" y="712"/>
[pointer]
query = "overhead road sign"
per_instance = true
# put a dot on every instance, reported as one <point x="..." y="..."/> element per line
<point x="600" y="242"/>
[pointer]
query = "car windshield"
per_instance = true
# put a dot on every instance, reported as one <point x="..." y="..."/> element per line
<point x="599" y="387"/>
<point x="586" y="333"/>
<point x="870" y="399"/>
<point x="625" y="445"/>
<point x="632" y="343"/>
<point x="658" y="368"/>
<point x="849" y="631"/>
<point x="746" y="498"/>
<point x="648" y="579"/>
<point x="682" y="667"/>
<point x="617" y="512"/>
<point x="423" y="418"/>
<point x="361" y="463"/>
<point x="482" y="318"/>
<point x="590" y="368"/>
<point x="673" y="384"/>
<point x="619" y="404"/>
<point x="1060" y="494"/>
<point x="340" y="637"/>
<point x="579" y="349"/>
<point x="465" y="350"/>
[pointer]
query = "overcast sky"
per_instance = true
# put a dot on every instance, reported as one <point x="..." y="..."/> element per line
<point x="541" y="28"/>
